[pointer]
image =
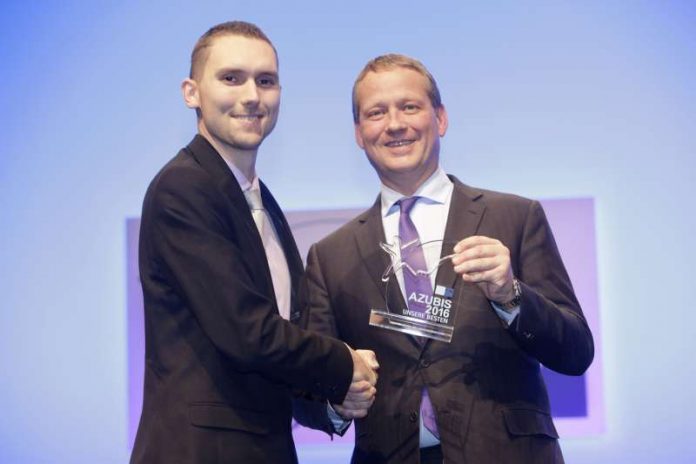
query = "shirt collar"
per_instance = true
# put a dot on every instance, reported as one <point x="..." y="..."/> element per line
<point x="435" y="190"/>
<point x="244" y="183"/>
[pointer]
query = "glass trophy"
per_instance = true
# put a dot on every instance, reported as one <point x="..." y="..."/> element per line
<point x="429" y="313"/>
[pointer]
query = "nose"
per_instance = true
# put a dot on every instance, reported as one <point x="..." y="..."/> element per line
<point x="396" y="122"/>
<point x="249" y="93"/>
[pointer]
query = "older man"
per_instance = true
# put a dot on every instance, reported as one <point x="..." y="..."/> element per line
<point x="479" y="398"/>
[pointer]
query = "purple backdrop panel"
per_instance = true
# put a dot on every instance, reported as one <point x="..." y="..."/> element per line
<point x="573" y="224"/>
<point x="576" y="401"/>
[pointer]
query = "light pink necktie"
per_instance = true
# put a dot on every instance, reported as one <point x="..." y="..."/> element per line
<point x="275" y="256"/>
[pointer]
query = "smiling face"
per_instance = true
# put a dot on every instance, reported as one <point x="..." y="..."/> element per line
<point x="237" y="93"/>
<point x="398" y="127"/>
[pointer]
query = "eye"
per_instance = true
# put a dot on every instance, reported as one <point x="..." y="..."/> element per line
<point x="231" y="78"/>
<point x="375" y="113"/>
<point x="411" y="108"/>
<point x="267" y="81"/>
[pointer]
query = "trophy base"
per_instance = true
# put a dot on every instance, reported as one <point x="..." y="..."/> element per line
<point x="411" y="325"/>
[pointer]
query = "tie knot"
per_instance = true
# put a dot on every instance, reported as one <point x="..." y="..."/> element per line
<point x="253" y="198"/>
<point x="406" y="204"/>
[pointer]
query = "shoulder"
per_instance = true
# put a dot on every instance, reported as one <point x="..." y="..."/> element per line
<point x="180" y="173"/>
<point x="494" y="202"/>
<point x="181" y="188"/>
<point x="490" y="197"/>
<point x="346" y="232"/>
<point x="182" y="179"/>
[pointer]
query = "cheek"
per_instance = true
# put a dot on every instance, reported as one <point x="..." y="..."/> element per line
<point x="371" y="134"/>
<point x="359" y="139"/>
<point x="273" y="105"/>
<point x="271" y="100"/>
<point x="214" y="107"/>
<point x="362" y="135"/>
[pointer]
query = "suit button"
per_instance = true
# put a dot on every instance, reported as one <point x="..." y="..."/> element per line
<point x="413" y="417"/>
<point x="425" y="362"/>
<point x="528" y="335"/>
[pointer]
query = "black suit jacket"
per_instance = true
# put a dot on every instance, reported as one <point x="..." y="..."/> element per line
<point x="220" y="361"/>
<point x="486" y="386"/>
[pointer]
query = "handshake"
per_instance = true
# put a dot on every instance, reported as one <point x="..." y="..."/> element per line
<point x="361" y="393"/>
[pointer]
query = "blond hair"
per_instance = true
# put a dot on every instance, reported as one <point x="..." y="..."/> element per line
<point x="389" y="62"/>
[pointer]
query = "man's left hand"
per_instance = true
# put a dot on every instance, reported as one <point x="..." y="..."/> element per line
<point x="485" y="262"/>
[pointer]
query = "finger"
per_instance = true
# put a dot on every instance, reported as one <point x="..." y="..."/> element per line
<point x="478" y="265"/>
<point x="372" y="376"/>
<point x="492" y="277"/>
<point x="370" y="358"/>
<point x="480" y="277"/>
<point x="361" y="395"/>
<point x="473" y="241"/>
<point x="349" y="413"/>
<point x="359" y="399"/>
<point x="360" y="386"/>
<point x="480" y="251"/>
<point x="358" y="404"/>
<point x="361" y="368"/>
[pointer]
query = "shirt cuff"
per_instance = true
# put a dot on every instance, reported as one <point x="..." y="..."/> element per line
<point x="508" y="315"/>
<point x="339" y="424"/>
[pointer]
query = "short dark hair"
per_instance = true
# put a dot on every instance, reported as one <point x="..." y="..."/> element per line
<point x="387" y="63"/>
<point x="240" y="28"/>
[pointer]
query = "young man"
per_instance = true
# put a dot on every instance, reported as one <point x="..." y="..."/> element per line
<point x="219" y="269"/>
<point x="480" y="398"/>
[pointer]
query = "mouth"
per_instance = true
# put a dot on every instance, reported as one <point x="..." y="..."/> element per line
<point x="399" y="143"/>
<point x="247" y="117"/>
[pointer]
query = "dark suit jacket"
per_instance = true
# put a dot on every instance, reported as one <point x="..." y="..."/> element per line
<point x="220" y="361"/>
<point x="486" y="385"/>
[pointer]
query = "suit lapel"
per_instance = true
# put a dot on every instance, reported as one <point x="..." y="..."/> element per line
<point x="253" y="251"/>
<point x="368" y="236"/>
<point x="463" y="219"/>
<point x="287" y="241"/>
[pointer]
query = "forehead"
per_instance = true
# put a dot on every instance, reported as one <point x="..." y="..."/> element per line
<point x="391" y="85"/>
<point x="241" y="53"/>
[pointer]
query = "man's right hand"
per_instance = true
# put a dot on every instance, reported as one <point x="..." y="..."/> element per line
<point x="361" y="393"/>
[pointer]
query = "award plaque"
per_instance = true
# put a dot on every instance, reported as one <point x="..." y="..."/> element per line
<point x="429" y="312"/>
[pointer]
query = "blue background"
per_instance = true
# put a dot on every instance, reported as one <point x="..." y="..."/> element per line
<point x="546" y="99"/>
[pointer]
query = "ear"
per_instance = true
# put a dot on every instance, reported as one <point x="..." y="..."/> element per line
<point x="358" y="137"/>
<point x="442" y="121"/>
<point x="189" y="88"/>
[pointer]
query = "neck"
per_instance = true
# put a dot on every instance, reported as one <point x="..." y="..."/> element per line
<point x="244" y="160"/>
<point x="407" y="183"/>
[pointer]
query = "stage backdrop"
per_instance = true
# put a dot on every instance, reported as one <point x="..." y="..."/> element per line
<point x="546" y="99"/>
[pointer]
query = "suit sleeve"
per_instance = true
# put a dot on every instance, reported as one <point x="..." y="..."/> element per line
<point x="316" y="315"/>
<point x="550" y="326"/>
<point x="203" y="261"/>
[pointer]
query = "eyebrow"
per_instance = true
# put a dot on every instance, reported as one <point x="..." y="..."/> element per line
<point x="244" y="71"/>
<point x="400" y="101"/>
